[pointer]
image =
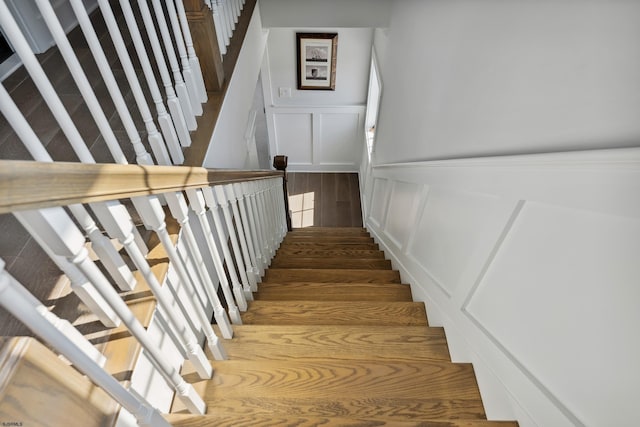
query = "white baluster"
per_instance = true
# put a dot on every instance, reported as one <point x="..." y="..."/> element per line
<point x="198" y="205"/>
<point x="265" y="217"/>
<point x="257" y="237"/>
<point x="224" y="17"/>
<point x="181" y="88"/>
<point x="275" y="190"/>
<point x="164" y="120"/>
<point x="110" y="258"/>
<point x="189" y="77"/>
<point x="236" y="10"/>
<point x="80" y="79"/>
<point x="47" y="227"/>
<point x="179" y="116"/>
<point x="255" y="212"/>
<point x="154" y="137"/>
<point x="22" y="48"/>
<point x="180" y="211"/>
<point x="214" y="208"/>
<point x="249" y="261"/>
<point x="34" y="308"/>
<point x="225" y="204"/>
<point x="220" y="28"/>
<point x="142" y="156"/>
<point x="191" y="52"/>
<point x="72" y="345"/>
<point x="246" y="226"/>
<point x="116" y="221"/>
<point x="152" y="214"/>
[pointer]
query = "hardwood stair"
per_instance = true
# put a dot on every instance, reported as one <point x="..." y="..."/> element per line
<point x="333" y="338"/>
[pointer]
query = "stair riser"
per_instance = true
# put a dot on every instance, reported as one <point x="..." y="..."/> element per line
<point x="287" y="275"/>
<point x="330" y="253"/>
<point x="330" y="263"/>
<point x="333" y="292"/>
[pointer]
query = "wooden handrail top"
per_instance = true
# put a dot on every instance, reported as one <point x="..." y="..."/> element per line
<point x="30" y="185"/>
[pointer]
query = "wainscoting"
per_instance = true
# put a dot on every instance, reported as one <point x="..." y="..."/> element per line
<point x="531" y="263"/>
<point x="323" y="139"/>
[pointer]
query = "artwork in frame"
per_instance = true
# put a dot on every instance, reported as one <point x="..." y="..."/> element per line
<point x="317" y="54"/>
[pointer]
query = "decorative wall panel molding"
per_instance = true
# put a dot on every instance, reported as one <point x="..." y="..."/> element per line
<point x="532" y="264"/>
<point x="322" y="139"/>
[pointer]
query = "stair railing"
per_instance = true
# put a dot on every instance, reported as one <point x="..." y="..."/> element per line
<point x="36" y="192"/>
<point x="168" y="131"/>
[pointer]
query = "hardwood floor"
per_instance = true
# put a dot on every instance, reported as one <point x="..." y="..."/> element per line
<point x="324" y="199"/>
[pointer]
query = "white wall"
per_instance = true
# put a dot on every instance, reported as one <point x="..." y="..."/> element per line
<point x="325" y="13"/>
<point x="228" y="147"/>
<point x="318" y="130"/>
<point x="492" y="77"/>
<point x="531" y="265"/>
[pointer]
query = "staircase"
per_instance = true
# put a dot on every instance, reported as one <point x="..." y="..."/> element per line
<point x="334" y="338"/>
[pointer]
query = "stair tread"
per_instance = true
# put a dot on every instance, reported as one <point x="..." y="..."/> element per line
<point x="284" y="275"/>
<point x="329" y="252"/>
<point x="271" y="420"/>
<point x="335" y="313"/>
<point x="300" y="291"/>
<point x="357" y="387"/>
<point x="284" y="261"/>
<point x="344" y="342"/>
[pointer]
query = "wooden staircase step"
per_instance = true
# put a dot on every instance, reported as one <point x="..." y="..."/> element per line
<point x="359" y="388"/>
<point x="330" y="230"/>
<point x="285" y="275"/>
<point x="293" y="237"/>
<point x="294" y="291"/>
<point x="331" y="253"/>
<point x="342" y="342"/>
<point x="298" y="244"/>
<point x="284" y="261"/>
<point x="335" y="313"/>
<point x="273" y="420"/>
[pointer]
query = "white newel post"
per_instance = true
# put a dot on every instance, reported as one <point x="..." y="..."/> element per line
<point x="180" y="211"/>
<point x="198" y="205"/>
<point x="191" y="52"/>
<point x="72" y="345"/>
<point x="153" y="216"/>
<point x="214" y="209"/>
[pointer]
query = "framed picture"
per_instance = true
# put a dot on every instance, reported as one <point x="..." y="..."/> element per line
<point x="317" y="60"/>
